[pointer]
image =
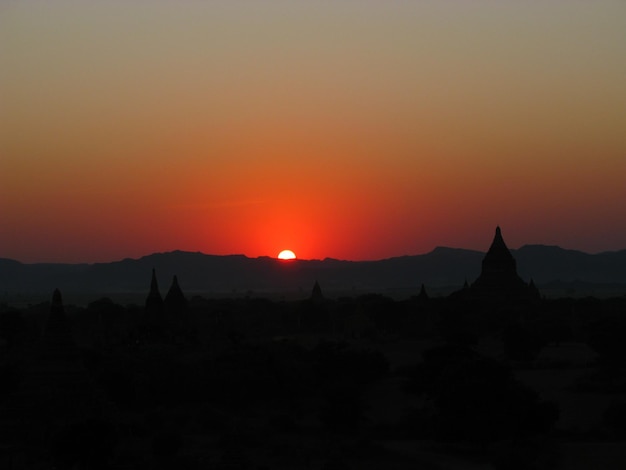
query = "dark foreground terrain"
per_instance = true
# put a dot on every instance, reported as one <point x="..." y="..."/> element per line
<point x="350" y="383"/>
<point x="492" y="376"/>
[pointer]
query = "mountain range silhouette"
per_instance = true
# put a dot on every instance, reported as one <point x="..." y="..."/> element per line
<point x="197" y="272"/>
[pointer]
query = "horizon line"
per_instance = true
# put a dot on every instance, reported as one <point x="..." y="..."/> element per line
<point x="329" y="258"/>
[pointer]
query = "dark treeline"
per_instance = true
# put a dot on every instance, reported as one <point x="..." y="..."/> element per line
<point x="306" y="384"/>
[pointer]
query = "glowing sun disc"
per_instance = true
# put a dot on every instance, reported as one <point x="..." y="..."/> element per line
<point x="286" y="254"/>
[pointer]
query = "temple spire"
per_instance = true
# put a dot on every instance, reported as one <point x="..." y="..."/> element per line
<point x="175" y="300"/>
<point x="154" y="285"/>
<point x="498" y="280"/>
<point x="154" y="301"/>
<point x="423" y="295"/>
<point x="57" y="304"/>
<point x="57" y="337"/>
<point x="316" y="293"/>
<point x="498" y="259"/>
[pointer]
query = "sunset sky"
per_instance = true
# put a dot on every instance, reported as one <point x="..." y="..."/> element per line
<point x="346" y="129"/>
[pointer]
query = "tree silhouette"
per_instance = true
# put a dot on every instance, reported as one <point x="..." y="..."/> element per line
<point x="520" y="343"/>
<point x="476" y="399"/>
<point x="342" y="410"/>
<point x="86" y="444"/>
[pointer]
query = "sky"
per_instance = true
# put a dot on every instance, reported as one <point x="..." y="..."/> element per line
<point x="345" y="129"/>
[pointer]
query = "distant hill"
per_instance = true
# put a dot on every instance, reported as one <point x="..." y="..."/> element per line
<point x="552" y="263"/>
<point x="198" y="272"/>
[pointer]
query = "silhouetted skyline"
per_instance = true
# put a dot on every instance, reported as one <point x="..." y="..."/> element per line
<point x="445" y="269"/>
<point x="375" y="144"/>
<point x="493" y="375"/>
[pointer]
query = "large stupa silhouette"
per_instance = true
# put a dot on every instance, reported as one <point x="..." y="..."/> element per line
<point x="498" y="278"/>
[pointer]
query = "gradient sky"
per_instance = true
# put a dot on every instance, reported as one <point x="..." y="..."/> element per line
<point x="345" y="129"/>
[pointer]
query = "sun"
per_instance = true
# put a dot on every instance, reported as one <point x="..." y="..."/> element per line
<point x="286" y="254"/>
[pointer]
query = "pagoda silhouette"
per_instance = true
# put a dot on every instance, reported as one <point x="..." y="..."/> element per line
<point x="175" y="302"/>
<point x="57" y="341"/>
<point x="154" y="301"/>
<point x="316" y="293"/>
<point x="165" y="320"/>
<point x="498" y="280"/>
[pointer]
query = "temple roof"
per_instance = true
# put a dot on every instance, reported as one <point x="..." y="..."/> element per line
<point x="175" y="299"/>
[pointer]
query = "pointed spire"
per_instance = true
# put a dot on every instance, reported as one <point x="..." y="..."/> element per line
<point x="154" y="285"/>
<point x="57" y="337"/>
<point x="423" y="295"/>
<point x="154" y="301"/>
<point x="498" y="242"/>
<point x="316" y="293"/>
<point x="533" y="289"/>
<point x="498" y="279"/>
<point x="56" y="298"/>
<point x="57" y="304"/>
<point x="499" y="259"/>
<point x="174" y="290"/>
<point x="175" y="300"/>
<point x="465" y="284"/>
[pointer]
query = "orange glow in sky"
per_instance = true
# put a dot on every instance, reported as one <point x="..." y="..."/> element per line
<point x="352" y="130"/>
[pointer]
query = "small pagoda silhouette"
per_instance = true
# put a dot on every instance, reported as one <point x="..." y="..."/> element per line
<point x="175" y="301"/>
<point x="154" y="301"/>
<point x="57" y="341"/>
<point x="165" y="320"/>
<point x="316" y="293"/>
<point x="423" y="295"/>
